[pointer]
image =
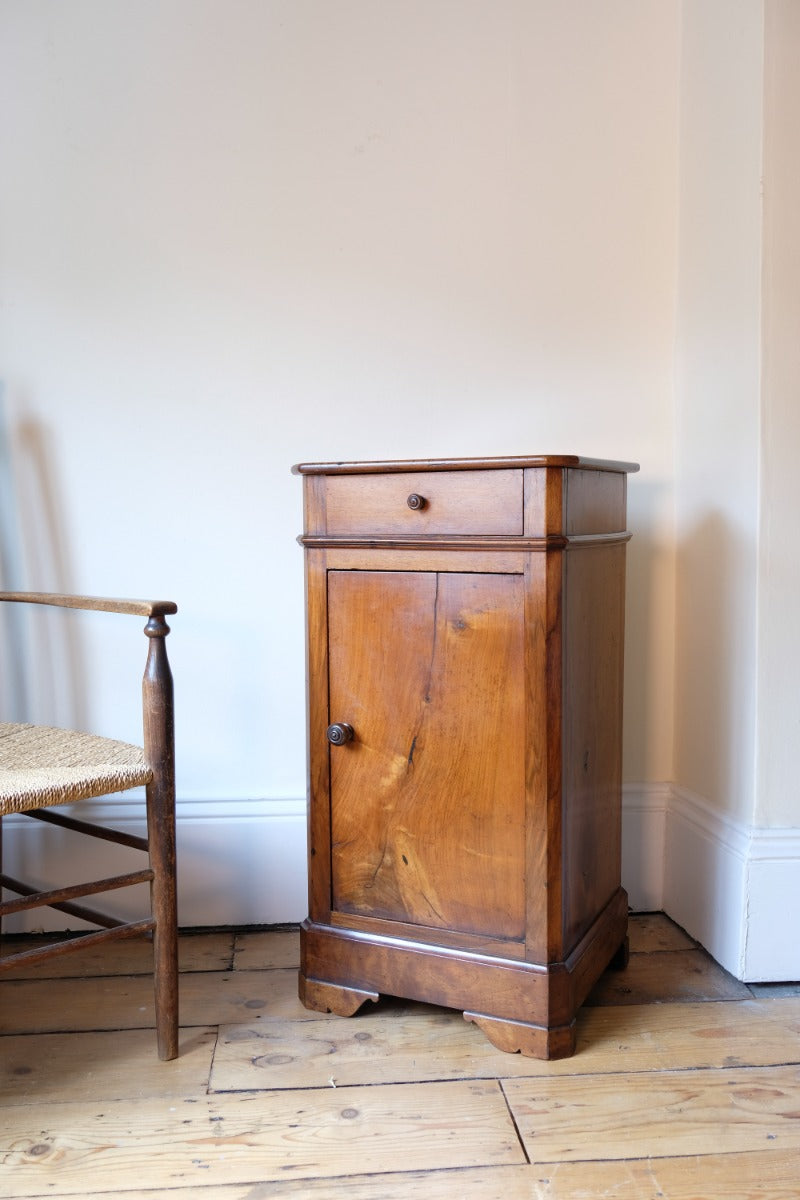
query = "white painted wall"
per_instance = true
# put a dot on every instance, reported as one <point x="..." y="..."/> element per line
<point x="718" y="402"/>
<point x="238" y="235"/>
<point x="732" y="829"/>
<point x="778" y="794"/>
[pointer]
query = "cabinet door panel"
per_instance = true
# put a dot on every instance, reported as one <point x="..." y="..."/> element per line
<point x="428" y="800"/>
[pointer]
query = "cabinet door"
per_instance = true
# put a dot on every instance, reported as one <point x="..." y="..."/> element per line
<point x="428" y="799"/>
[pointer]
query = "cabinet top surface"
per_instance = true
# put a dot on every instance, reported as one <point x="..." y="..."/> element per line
<point x="573" y="461"/>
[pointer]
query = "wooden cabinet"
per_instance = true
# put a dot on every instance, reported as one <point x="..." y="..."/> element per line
<point x="465" y="642"/>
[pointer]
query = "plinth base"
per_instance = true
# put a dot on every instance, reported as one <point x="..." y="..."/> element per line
<point x="522" y="1007"/>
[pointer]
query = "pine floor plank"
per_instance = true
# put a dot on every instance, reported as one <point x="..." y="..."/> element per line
<point x="72" y="1149"/>
<point x="668" y="977"/>
<point x="126" y="1002"/>
<point x="205" y="997"/>
<point x="272" y="948"/>
<point x="667" y="1114"/>
<point x="229" y="997"/>
<point x="427" y="1043"/>
<point x="767" y="1175"/>
<point x="669" y="1096"/>
<point x="129" y="956"/>
<point x="55" y="1067"/>
<point x="650" y="933"/>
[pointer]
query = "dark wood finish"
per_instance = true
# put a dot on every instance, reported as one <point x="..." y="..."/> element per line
<point x="328" y="997"/>
<point x="97" y="831"/>
<point x="592" y="719"/>
<point x="31" y="898"/>
<point x="479" y="502"/>
<point x="478" y="944"/>
<point x="131" y="608"/>
<point x="622" y="957"/>
<point x="595" y="502"/>
<point x="87" y="941"/>
<point x="464" y="841"/>
<point x="159" y="741"/>
<point x="388" y="466"/>
<point x="159" y="750"/>
<point x="493" y="543"/>
<point x="458" y="685"/>
<point x="517" y="1037"/>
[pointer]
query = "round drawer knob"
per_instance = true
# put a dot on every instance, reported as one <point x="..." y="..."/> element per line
<point x="416" y="501"/>
<point x="340" y="733"/>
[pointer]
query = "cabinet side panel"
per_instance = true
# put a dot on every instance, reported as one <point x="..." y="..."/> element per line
<point x="427" y="801"/>
<point x="595" y="502"/>
<point x="594" y="609"/>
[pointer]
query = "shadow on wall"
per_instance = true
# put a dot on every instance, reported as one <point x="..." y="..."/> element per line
<point x="41" y="672"/>
<point x="648" y="615"/>
<point x="716" y="664"/>
<point x="647" y="739"/>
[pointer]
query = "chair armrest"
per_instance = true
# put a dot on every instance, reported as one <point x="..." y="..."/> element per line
<point x="159" y="735"/>
<point x="142" y="608"/>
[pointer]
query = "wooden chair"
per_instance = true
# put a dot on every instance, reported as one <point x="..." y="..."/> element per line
<point x="42" y="767"/>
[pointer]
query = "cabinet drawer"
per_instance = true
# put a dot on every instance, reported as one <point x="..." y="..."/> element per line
<point x="416" y="503"/>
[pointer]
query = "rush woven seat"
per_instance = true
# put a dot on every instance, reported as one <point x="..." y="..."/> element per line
<point x="40" y="766"/>
<point x="43" y="768"/>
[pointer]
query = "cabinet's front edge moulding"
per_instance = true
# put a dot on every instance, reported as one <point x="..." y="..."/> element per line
<point x="392" y="466"/>
<point x="314" y="516"/>
<point x="534" y="545"/>
<point x="491" y="947"/>
<point x="319" y="817"/>
<point x="554" y="669"/>
<point x="539" y="812"/>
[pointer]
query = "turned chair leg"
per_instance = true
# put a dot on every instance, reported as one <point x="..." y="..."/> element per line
<point x="161" y="835"/>
<point x="159" y="745"/>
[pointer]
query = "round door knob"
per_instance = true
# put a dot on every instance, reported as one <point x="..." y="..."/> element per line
<point x="340" y="733"/>
<point x="416" y="501"/>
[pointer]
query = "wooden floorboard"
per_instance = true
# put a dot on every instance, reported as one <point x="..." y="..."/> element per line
<point x="263" y="951"/>
<point x="769" y="1175"/>
<point x="669" y="1114"/>
<point x="126" y="1002"/>
<point x="650" y="933"/>
<point x="685" y="1086"/>
<point x="667" y="977"/>
<point x="132" y="956"/>
<point x="254" y="1137"/>
<point x="58" y="1067"/>
<point x="434" y="1044"/>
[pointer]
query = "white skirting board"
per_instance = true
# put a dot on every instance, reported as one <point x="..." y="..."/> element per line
<point x="732" y="887"/>
<point x="243" y="863"/>
<point x="240" y="862"/>
<point x="644" y="822"/>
